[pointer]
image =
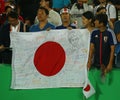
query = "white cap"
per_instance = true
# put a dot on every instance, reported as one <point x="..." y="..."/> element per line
<point x="65" y="10"/>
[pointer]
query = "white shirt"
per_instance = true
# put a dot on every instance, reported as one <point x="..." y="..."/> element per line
<point x="15" y="28"/>
<point x="76" y="14"/>
<point x="111" y="11"/>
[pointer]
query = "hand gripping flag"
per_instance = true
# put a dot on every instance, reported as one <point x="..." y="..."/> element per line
<point x="49" y="59"/>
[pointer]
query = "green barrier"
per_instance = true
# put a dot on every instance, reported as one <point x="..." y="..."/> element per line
<point x="106" y="88"/>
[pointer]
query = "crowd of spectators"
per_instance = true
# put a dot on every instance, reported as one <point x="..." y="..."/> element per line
<point x="40" y="15"/>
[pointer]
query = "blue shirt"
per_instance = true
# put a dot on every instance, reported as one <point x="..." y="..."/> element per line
<point x="36" y="28"/>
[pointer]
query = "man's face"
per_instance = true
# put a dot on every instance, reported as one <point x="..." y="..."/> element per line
<point x="85" y="21"/>
<point x="41" y="15"/>
<point x="13" y="21"/>
<point x="65" y="17"/>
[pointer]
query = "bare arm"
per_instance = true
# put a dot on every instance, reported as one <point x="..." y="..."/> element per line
<point x="112" y="20"/>
<point x="118" y="37"/>
<point x="2" y="48"/>
<point x="110" y="64"/>
<point x="91" y="52"/>
<point x="111" y="24"/>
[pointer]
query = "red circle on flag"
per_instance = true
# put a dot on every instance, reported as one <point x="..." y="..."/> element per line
<point x="87" y="88"/>
<point x="49" y="58"/>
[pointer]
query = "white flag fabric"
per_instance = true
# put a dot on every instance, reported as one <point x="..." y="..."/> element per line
<point x="88" y="89"/>
<point x="49" y="59"/>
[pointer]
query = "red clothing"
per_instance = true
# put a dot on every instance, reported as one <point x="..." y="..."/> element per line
<point x="2" y="6"/>
<point x="20" y="18"/>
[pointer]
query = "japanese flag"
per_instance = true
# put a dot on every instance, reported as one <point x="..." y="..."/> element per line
<point x="88" y="89"/>
<point x="49" y="59"/>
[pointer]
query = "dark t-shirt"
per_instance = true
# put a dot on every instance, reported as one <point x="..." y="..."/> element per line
<point x="107" y="41"/>
<point x="116" y="2"/>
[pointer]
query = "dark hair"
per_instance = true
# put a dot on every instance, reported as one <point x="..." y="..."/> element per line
<point x="13" y="14"/>
<point x="112" y="1"/>
<point x="100" y="8"/>
<point x="102" y="18"/>
<point x="89" y="15"/>
<point x="43" y="8"/>
<point x="7" y="7"/>
<point x="50" y="3"/>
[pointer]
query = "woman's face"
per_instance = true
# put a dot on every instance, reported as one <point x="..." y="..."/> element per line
<point x="86" y="21"/>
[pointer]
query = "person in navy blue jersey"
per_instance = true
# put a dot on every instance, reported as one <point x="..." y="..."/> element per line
<point x="102" y="45"/>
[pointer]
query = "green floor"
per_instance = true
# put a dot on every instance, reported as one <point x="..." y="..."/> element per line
<point x="106" y="89"/>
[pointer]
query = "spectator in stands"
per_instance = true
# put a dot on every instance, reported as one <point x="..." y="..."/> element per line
<point x="28" y="22"/>
<point x="102" y="9"/>
<point x="65" y="16"/>
<point x="14" y="25"/>
<point x="110" y="9"/>
<point x="117" y="49"/>
<point x="54" y="17"/>
<point x="26" y="7"/>
<point x="8" y="9"/>
<point x="10" y="2"/>
<point x="59" y="4"/>
<point x="88" y="20"/>
<point x="96" y="3"/>
<point x="116" y="3"/>
<point x="43" y="24"/>
<point x="2" y="6"/>
<point x="78" y="9"/>
<point x="5" y="7"/>
<point x="102" y="45"/>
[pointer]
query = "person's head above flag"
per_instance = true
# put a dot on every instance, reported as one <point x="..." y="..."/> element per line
<point x="65" y="10"/>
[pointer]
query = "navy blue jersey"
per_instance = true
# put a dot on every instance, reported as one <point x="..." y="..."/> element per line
<point x="102" y="43"/>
